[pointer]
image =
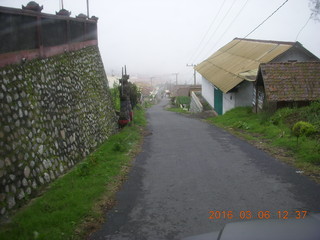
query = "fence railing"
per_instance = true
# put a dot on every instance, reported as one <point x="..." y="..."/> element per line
<point x="26" y="34"/>
<point x="195" y="105"/>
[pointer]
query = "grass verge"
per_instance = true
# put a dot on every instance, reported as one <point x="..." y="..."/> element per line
<point x="74" y="204"/>
<point x="178" y="110"/>
<point x="273" y="133"/>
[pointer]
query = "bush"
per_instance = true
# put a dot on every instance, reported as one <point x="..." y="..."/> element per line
<point x="183" y="100"/>
<point x="241" y="125"/>
<point x="280" y="115"/>
<point x="302" y="128"/>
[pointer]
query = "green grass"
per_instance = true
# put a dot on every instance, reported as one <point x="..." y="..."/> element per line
<point x="72" y="204"/>
<point x="183" y="100"/>
<point x="276" y="130"/>
<point x="177" y="110"/>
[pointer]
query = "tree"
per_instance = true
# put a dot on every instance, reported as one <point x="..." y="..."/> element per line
<point x="315" y="9"/>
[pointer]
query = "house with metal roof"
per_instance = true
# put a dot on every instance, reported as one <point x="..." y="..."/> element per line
<point x="286" y="84"/>
<point x="229" y="74"/>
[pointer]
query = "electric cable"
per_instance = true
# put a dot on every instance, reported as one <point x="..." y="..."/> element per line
<point x="215" y="30"/>
<point x="304" y="26"/>
<point x="205" y="35"/>
<point x="252" y="30"/>
<point x="229" y="26"/>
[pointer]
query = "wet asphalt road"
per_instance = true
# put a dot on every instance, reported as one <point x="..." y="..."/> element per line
<point x="188" y="168"/>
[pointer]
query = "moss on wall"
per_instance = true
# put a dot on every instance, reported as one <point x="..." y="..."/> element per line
<point x="54" y="112"/>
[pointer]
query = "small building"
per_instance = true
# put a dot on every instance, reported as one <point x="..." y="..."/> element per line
<point x="229" y="74"/>
<point x="286" y="85"/>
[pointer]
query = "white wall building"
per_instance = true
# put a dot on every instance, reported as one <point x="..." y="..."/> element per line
<point x="228" y="76"/>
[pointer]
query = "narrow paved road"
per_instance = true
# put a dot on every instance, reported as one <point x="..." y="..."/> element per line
<point x="188" y="168"/>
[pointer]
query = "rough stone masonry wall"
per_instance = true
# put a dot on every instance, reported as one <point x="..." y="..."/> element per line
<point x="54" y="112"/>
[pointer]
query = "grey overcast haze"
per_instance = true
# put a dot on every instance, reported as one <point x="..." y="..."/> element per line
<point x="156" y="38"/>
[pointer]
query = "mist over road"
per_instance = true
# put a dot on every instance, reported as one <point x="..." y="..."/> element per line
<point x="188" y="168"/>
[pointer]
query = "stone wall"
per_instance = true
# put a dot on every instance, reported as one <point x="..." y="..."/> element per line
<point x="54" y="112"/>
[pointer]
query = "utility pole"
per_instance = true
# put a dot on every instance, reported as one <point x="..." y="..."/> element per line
<point x="176" y="77"/>
<point x="87" y="8"/>
<point x="194" y="73"/>
<point x="151" y="82"/>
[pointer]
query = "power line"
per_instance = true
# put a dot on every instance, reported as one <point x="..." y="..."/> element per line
<point x="267" y="18"/>
<point x="254" y="28"/>
<point x="233" y="20"/>
<point x="304" y="26"/>
<point x="205" y="35"/>
<point x="215" y="30"/>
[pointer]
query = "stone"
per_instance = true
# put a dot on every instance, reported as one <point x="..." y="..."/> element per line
<point x="20" y="113"/>
<point x="40" y="149"/>
<point x="17" y="123"/>
<point x="24" y="182"/>
<point x="7" y="129"/>
<point x="9" y="99"/>
<point x="46" y="177"/>
<point x="32" y="164"/>
<point x="16" y="96"/>
<point x="52" y="176"/>
<point x="34" y="185"/>
<point x="1" y="134"/>
<point x="26" y="171"/>
<point x="1" y="163"/>
<point x="1" y="95"/>
<point x="46" y="164"/>
<point x="12" y="177"/>
<point x="28" y="191"/>
<point x="3" y="211"/>
<point x="11" y="202"/>
<point x="21" y="194"/>
<point x="7" y="161"/>
<point x="41" y="180"/>
<point x="13" y="189"/>
<point x="63" y="134"/>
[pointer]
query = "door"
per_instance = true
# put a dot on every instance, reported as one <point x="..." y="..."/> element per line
<point x="218" y="101"/>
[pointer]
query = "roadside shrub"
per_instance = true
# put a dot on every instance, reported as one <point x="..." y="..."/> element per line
<point x="280" y="115"/>
<point x="119" y="147"/>
<point x="241" y="125"/>
<point x="183" y="100"/>
<point x="83" y="169"/>
<point x="302" y="128"/>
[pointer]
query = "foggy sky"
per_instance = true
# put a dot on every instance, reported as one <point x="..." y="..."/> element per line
<point x="156" y="38"/>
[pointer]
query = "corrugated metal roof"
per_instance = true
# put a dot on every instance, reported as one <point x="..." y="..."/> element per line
<point x="299" y="81"/>
<point x="239" y="60"/>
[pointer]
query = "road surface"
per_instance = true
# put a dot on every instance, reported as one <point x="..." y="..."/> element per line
<point x="188" y="168"/>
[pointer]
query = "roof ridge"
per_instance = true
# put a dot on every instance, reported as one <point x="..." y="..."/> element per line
<point x="279" y="63"/>
<point x="267" y="41"/>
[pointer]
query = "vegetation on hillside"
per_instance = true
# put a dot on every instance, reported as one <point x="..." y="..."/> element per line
<point x="280" y="129"/>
